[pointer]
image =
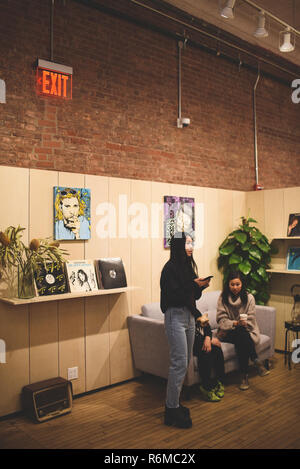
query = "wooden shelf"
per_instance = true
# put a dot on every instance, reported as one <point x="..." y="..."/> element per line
<point x="287" y="237"/>
<point x="283" y="271"/>
<point x="63" y="296"/>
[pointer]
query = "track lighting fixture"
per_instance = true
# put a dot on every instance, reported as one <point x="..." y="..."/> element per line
<point x="227" y="11"/>
<point x="261" y="30"/>
<point x="286" y="41"/>
<point x="286" y="37"/>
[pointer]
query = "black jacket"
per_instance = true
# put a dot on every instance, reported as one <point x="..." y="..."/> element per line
<point x="179" y="289"/>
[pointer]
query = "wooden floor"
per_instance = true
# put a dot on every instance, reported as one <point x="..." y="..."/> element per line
<point x="130" y="415"/>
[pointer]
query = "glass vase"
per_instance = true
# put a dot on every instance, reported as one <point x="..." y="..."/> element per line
<point x="25" y="283"/>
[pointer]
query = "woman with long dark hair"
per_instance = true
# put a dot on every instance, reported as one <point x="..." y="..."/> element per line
<point x="236" y="319"/>
<point x="180" y="288"/>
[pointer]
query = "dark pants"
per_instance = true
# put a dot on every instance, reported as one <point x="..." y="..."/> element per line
<point x="208" y="361"/>
<point x="244" y="346"/>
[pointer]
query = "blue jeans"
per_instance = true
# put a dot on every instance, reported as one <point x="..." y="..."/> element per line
<point x="180" y="331"/>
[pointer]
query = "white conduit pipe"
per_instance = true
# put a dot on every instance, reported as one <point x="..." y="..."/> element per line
<point x="255" y="131"/>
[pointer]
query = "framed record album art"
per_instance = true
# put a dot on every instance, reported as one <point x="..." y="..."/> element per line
<point x="50" y="279"/>
<point x="179" y="216"/>
<point x="111" y="273"/>
<point x="81" y="276"/>
<point x="293" y="258"/>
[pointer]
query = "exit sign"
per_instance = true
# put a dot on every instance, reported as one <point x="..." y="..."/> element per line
<point x="54" y="79"/>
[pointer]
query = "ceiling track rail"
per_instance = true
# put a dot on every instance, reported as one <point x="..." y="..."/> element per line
<point x="217" y="38"/>
<point x="275" y="18"/>
<point x="148" y="25"/>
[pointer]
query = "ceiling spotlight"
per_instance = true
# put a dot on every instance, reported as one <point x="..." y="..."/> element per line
<point x="285" y="44"/>
<point x="261" y="30"/>
<point x="227" y="12"/>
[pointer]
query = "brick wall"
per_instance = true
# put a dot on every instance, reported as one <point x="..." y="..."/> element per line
<point x="122" y="118"/>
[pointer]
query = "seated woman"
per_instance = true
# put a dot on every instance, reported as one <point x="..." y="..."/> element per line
<point x="236" y="319"/>
<point x="210" y="356"/>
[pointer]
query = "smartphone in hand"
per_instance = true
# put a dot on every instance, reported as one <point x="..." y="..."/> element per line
<point x="208" y="278"/>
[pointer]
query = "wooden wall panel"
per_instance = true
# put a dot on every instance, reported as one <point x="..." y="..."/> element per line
<point x="14" y="192"/>
<point x="14" y="374"/>
<point x="211" y="238"/>
<point x="41" y="203"/>
<point x="140" y="244"/>
<point x="43" y="341"/>
<point x="121" y="366"/>
<point x="71" y="340"/>
<point x="159" y="255"/>
<point x="239" y="208"/>
<point x="256" y="208"/>
<point x="275" y="223"/>
<point x="98" y="245"/>
<point x="97" y="342"/>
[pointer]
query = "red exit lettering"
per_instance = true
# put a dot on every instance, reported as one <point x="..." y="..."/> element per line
<point x="51" y="83"/>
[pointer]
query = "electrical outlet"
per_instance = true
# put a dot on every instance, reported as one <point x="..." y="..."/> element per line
<point x="73" y="373"/>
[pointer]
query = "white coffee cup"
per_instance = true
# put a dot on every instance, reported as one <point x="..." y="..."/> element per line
<point x="243" y="317"/>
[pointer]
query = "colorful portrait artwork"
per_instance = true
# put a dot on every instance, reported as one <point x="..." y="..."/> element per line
<point x="72" y="213"/>
<point x="179" y="216"/>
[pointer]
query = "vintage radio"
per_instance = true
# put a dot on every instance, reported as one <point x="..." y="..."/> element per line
<point x="47" y="399"/>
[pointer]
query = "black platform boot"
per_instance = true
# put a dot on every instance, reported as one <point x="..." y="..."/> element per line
<point x="185" y="410"/>
<point x="177" y="417"/>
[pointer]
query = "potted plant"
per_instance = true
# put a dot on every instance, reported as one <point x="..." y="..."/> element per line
<point x="247" y="250"/>
<point x="22" y="261"/>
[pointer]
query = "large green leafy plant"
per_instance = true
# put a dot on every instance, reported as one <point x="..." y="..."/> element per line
<point x="247" y="250"/>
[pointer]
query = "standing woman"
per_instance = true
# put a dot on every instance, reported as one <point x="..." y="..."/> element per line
<point x="180" y="288"/>
<point x="236" y="319"/>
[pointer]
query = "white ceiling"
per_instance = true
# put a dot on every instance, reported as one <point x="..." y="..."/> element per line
<point x="245" y="21"/>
